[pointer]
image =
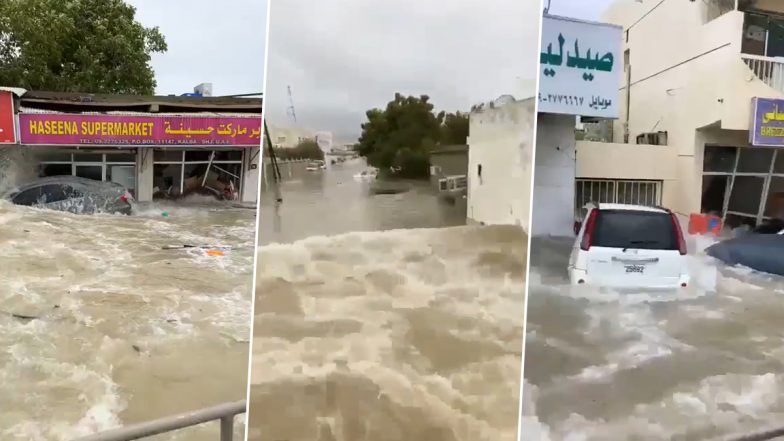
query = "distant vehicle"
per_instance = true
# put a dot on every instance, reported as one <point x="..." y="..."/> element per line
<point x="74" y="194"/>
<point x="316" y="166"/>
<point x="629" y="246"/>
<point x="366" y="175"/>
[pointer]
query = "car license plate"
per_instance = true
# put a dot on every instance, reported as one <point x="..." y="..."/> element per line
<point x="635" y="269"/>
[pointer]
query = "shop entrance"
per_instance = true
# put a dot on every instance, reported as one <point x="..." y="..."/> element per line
<point x="741" y="184"/>
<point x="181" y="172"/>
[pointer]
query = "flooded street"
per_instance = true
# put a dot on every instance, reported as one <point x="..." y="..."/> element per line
<point x="332" y="202"/>
<point x="100" y="326"/>
<point x="601" y="365"/>
<point x="382" y="318"/>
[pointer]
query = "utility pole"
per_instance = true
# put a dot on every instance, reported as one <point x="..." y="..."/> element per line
<point x="291" y="110"/>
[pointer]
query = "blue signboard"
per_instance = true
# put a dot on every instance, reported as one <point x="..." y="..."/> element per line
<point x="767" y="122"/>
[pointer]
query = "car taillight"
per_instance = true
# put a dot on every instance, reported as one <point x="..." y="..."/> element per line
<point x="590" y="223"/>
<point x="679" y="233"/>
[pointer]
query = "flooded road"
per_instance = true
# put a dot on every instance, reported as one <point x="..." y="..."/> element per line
<point x="100" y="326"/>
<point x="410" y="333"/>
<point x="332" y="202"/>
<point x="607" y="366"/>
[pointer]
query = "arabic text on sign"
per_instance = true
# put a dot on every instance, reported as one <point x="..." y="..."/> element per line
<point x="588" y="62"/>
<point x="57" y="127"/>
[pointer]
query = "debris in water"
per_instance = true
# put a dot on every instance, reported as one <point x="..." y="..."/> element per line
<point x="215" y="253"/>
<point x="165" y="214"/>
<point x="180" y="247"/>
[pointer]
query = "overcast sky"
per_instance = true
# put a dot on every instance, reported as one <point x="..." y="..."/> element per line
<point x="209" y="42"/>
<point x="343" y="57"/>
<point x="583" y="9"/>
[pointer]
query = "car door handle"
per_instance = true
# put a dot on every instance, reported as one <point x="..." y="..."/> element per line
<point x="633" y="261"/>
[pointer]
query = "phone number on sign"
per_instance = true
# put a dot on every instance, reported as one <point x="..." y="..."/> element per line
<point x="772" y="131"/>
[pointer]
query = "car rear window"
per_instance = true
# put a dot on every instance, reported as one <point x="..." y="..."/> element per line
<point x="645" y="230"/>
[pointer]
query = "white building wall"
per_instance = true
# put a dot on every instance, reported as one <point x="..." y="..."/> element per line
<point x="251" y="160"/>
<point x="554" y="176"/>
<point x="692" y="83"/>
<point x="500" y="140"/>
<point x="144" y="174"/>
<point x="288" y="136"/>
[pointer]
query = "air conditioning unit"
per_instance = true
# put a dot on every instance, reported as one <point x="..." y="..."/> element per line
<point x="652" y="138"/>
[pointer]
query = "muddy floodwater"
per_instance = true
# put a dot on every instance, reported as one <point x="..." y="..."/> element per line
<point x="370" y="326"/>
<point x="100" y="326"/>
<point x="700" y="364"/>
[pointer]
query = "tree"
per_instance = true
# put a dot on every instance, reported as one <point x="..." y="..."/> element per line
<point x="307" y="149"/>
<point x="402" y="135"/>
<point x="92" y="46"/>
<point x="455" y="129"/>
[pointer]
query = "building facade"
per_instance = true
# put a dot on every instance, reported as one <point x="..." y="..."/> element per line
<point x="157" y="147"/>
<point x="699" y="129"/>
<point x="287" y="137"/>
<point x="500" y="145"/>
<point x="448" y="167"/>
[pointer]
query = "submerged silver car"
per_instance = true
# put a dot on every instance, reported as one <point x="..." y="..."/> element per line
<point x="75" y="195"/>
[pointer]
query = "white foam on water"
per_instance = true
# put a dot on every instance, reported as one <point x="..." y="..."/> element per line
<point x="718" y="340"/>
<point x="95" y="316"/>
<point x="426" y="322"/>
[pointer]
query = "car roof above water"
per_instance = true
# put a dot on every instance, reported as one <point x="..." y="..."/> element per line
<point x="74" y="181"/>
<point x="629" y="207"/>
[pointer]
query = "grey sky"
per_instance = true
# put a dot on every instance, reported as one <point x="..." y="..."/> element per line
<point x="343" y="57"/>
<point x="583" y="9"/>
<point x="209" y="42"/>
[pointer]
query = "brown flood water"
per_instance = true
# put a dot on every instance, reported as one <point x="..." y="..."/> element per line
<point x="100" y="327"/>
<point x="384" y="333"/>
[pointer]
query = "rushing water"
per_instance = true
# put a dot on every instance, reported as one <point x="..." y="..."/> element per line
<point x="100" y="326"/>
<point x="601" y="365"/>
<point x="404" y="334"/>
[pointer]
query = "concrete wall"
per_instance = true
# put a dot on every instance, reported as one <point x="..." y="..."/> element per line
<point x="251" y="170"/>
<point x="144" y="174"/>
<point x="451" y="164"/>
<point x="554" y="176"/>
<point x="598" y="160"/>
<point x="501" y="141"/>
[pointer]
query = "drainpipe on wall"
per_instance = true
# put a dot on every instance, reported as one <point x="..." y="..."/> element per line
<point x="628" y="103"/>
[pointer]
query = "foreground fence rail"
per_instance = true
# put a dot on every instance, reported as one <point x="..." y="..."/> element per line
<point x="225" y="413"/>
<point x="763" y="435"/>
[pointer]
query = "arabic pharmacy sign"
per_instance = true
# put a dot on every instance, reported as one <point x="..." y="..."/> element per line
<point x="77" y="129"/>
<point x="581" y="67"/>
<point x="767" y="122"/>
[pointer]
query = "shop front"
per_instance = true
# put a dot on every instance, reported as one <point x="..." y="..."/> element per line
<point x="155" y="155"/>
<point x="743" y="182"/>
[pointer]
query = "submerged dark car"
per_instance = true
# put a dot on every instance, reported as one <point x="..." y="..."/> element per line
<point x="75" y="195"/>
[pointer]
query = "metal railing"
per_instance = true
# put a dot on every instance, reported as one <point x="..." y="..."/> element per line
<point x="616" y="191"/>
<point x="764" y="435"/>
<point x="223" y="412"/>
<point x="769" y="70"/>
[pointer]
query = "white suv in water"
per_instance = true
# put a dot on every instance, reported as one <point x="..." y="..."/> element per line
<point x="629" y="246"/>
